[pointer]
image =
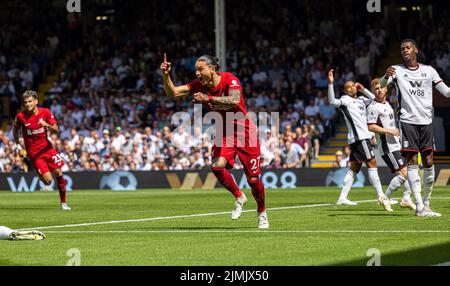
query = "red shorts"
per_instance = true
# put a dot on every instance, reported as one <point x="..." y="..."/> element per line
<point x="250" y="157"/>
<point x="47" y="161"/>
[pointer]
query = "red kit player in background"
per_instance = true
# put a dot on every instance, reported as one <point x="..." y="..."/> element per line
<point x="222" y="93"/>
<point x="35" y="123"/>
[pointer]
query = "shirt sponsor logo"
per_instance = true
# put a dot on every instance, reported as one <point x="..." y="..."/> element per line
<point x="35" y="131"/>
<point x="416" y="83"/>
<point x="234" y="83"/>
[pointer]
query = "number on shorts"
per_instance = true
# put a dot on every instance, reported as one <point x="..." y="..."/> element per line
<point x="57" y="159"/>
<point x="255" y="163"/>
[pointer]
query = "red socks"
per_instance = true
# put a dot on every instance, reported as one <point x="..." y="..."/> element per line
<point x="226" y="180"/>
<point x="61" y="183"/>
<point x="259" y="194"/>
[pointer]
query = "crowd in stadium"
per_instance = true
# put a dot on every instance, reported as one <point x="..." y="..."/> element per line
<point x="110" y="104"/>
<point x="435" y="49"/>
<point x="27" y="51"/>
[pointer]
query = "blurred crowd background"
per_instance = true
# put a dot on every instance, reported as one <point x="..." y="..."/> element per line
<point x="109" y="100"/>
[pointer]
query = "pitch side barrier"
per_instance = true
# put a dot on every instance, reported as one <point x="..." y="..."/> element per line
<point x="201" y="179"/>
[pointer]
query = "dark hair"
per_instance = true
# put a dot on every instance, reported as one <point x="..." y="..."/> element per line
<point x="30" y="93"/>
<point x="409" y="41"/>
<point x="210" y="61"/>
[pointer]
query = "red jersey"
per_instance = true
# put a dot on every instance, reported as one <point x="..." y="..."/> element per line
<point x="227" y="83"/>
<point x="34" y="134"/>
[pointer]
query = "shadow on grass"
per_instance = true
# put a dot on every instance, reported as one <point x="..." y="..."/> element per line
<point x="424" y="256"/>
<point x="366" y="214"/>
<point x="359" y="212"/>
<point x="9" y="262"/>
<point x="181" y="228"/>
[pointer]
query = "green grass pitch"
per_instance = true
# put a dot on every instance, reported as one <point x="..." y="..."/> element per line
<point x="305" y="229"/>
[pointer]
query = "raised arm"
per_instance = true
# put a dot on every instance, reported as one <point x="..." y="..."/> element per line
<point x="170" y="89"/>
<point x="331" y="97"/>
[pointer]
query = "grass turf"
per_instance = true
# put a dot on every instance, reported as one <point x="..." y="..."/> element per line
<point x="321" y="234"/>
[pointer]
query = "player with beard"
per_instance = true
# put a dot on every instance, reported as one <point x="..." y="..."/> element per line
<point x="236" y="135"/>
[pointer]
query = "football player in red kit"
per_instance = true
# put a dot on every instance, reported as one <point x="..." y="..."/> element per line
<point x="237" y="134"/>
<point x="35" y="122"/>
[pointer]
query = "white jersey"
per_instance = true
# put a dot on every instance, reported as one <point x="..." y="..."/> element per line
<point x="354" y="111"/>
<point x="382" y="114"/>
<point x="365" y="100"/>
<point x="415" y="93"/>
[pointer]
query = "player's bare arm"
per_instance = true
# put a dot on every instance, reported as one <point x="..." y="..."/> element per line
<point x="394" y="132"/>
<point x="17" y="140"/>
<point x="170" y="89"/>
<point x="200" y="97"/>
<point x="53" y="128"/>
<point x="232" y="100"/>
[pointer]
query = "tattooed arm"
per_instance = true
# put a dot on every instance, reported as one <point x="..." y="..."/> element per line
<point x="222" y="102"/>
<point x="232" y="100"/>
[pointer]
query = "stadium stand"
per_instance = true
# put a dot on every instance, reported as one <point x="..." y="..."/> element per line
<point x="106" y="89"/>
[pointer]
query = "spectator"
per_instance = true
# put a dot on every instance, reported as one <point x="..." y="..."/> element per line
<point x="312" y="109"/>
<point x="291" y="157"/>
<point x="110" y="80"/>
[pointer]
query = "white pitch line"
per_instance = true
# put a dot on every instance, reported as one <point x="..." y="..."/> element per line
<point x="241" y="231"/>
<point x="180" y="216"/>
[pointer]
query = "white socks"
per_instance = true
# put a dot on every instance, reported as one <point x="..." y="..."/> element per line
<point x="407" y="191"/>
<point x="415" y="184"/>
<point x="396" y="183"/>
<point x="375" y="181"/>
<point x="348" y="182"/>
<point x="428" y="181"/>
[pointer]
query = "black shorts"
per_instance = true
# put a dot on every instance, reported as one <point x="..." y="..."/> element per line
<point x="361" y="151"/>
<point x="394" y="160"/>
<point x="416" y="138"/>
